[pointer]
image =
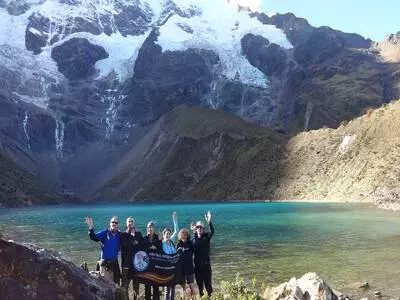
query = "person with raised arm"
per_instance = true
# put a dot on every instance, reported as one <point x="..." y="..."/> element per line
<point x="202" y="262"/>
<point x="131" y="240"/>
<point x="110" y="246"/>
<point x="152" y="244"/>
<point x="168" y="247"/>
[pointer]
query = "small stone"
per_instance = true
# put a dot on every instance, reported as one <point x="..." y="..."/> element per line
<point x="378" y="294"/>
<point x="364" y="285"/>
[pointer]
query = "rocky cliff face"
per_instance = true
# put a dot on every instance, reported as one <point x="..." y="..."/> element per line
<point x="195" y="153"/>
<point x="28" y="272"/>
<point x="332" y="76"/>
<point x="84" y="81"/>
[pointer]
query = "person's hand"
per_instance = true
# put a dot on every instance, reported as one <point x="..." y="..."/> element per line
<point x="89" y="222"/>
<point x="174" y="215"/>
<point x="208" y="217"/>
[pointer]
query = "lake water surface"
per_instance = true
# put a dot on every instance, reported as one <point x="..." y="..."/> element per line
<point x="343" y="243"/>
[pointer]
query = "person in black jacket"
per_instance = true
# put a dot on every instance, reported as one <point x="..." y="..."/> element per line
<point x="186" y="244"/>
<point x="202" y="263"/>
<point x="152" y="244"/>
<point x="130" y="241"/>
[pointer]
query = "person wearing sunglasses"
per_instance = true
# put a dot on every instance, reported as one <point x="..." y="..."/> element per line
<point x="110" y="244"/>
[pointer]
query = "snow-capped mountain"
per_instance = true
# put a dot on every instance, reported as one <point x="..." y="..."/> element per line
<point x="83" y="80"/>
<point x="30" y="32"/>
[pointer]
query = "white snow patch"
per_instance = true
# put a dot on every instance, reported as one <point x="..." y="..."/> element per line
<point x="38" y="70"/>
<point x="220" y="28"/>
<point x="252" y="4"/>
<point x="38" y="101"/>
<point x="122" y="52"/>
<point x="34" y="31"/>
<point x="12" y="28"/>
<point x="157" y="8"/>
<point x="347" y="141"/>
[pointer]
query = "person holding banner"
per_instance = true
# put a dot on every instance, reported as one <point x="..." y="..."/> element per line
<point x="131" y="240"/>
<point x="202" y="262"/>
<point x="168" y="247"/>
<point x="152" y="244"/>
<point x="187" y="255"/>
<point x="110" y="245"/>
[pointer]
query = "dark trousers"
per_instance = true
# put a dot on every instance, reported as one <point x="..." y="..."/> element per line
<point x="127" y="276"/>
<point x="203" y="278"/>
<point x="147" y="292"/>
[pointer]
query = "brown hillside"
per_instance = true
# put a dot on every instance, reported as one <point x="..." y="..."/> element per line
<point x="185" y="157"/>
<point x="353" y="162"/>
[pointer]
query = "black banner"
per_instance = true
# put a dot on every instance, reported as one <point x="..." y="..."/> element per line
<point x="158" y="269"/>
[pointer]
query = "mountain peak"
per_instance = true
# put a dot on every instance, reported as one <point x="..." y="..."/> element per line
<point x="389" y="48"/>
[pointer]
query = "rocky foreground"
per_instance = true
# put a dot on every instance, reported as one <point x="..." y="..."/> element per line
<point x="30" y="272"/>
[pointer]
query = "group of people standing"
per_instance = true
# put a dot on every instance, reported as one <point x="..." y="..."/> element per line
<point x="195" y="254"/>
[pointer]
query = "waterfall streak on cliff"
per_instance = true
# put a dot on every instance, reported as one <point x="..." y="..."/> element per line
<point x="59" y="137"/>
<point x="25" y="124"/>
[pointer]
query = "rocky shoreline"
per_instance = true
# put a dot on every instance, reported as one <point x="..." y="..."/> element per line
<point x="30" y="272"/>
<point x="388" y="205"/>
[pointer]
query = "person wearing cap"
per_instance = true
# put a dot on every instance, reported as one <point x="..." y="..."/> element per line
<point x="131" y="240"/>
<point x="110" y="245"/>
<point x="152" y="244"/>
<point x="202" y="262"/>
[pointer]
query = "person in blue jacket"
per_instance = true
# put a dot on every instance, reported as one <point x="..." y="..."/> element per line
<point x="110" y="245"/>
<point x="168" y="247"/>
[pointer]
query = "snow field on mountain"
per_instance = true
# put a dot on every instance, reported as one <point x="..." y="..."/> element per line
<point x="220" y="28"/>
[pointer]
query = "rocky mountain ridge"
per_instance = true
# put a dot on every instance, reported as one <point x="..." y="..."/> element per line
<point x="184" y="158"/>
<point x="85" y="81"/>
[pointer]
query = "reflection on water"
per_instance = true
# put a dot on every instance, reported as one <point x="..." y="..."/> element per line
<point x="344" y="243"/>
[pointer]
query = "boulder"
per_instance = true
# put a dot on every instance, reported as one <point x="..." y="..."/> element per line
<point x="308" y="287"/>
<point x="29" y="272"/>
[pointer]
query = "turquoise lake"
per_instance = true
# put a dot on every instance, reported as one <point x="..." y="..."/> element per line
<point x="343" y="243"/>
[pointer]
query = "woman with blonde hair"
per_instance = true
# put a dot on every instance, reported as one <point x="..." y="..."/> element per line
<point x="187" y="256"/>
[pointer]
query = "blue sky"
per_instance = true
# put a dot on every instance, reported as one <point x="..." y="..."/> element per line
<point x="373" y="19"/>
